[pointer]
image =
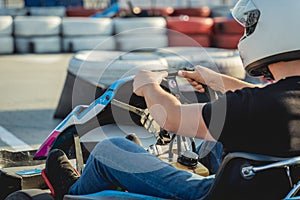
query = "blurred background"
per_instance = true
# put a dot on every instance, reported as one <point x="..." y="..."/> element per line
<point x="45" y="45"/>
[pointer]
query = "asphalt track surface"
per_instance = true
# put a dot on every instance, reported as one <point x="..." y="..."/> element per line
<point x="30" y="89"/>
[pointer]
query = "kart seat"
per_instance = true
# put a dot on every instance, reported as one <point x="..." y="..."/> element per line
<point x="252" y="176"/>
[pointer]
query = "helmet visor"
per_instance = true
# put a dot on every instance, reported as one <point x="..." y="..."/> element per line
<point x="245" y="13"/>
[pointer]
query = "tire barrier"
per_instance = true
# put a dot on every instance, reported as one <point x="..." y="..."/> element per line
<point x="13" y="12"/>
<point x="58" y="11"/>
<point x="197" y="31"/>
<point x="223" y="60"/>
<point x="141" y="42"/>
<point x="80" y="12"/>
<point x="77" y="26"/>
<point x="27" y="26"/>
<point x="203" y="11"/>
<point x="180" y="40"/>
<point x="51" y="44"/>
<point x="6" y="39"/>
<point x="221" y="11"/>
<point x="6" y="25"/>
<point x="102" y="68"/>
<point x="77" y="43"/>
<point x="224" y="25"/>
<point x="130" y="33"/>
<point x="227" y="33"/>
<point x="140" y="33"/>
<point x="141" y="25"/>
<point x="7" y="44"/>
<point x="87" y="33"/>
<point x="226" y="41"/>
<point x="202" y="40"/>
<point x="91" y="72"/>
<point x="190" y="25"/>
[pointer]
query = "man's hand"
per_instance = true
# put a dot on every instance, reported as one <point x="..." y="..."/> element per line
<point x="147" y="78"/>
<point x="202" y="76"/>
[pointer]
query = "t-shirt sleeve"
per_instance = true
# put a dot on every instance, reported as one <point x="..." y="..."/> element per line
<point x="228" y="115"/>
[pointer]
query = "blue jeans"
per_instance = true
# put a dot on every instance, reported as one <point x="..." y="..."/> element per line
<point x="210" y="155"/>
<point x="118" y="162"/>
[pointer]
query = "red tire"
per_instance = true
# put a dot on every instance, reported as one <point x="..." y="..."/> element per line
<point x="191" y="25"/>
<point x="196" y="12"/>
<point x="226" y="41"/>
<point x="223" y="25"/>
<point x="161" y="11"/>
<point x="189" y="40"/>
<point x="80" y="12"/>
<point x="202" y="40"/>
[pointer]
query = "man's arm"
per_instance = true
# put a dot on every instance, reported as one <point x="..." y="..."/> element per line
<point x="167" y="111"/>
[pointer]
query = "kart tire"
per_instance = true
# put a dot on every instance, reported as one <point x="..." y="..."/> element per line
<point x="138" y="42"/>
<point x="190" y="25"/>
<point x="202" y="11"/>
<point x="77" y="26"/>
<point x="77" y="43"/>
<point x="224" y="25"/>
<point x="26" y="26"/>
<point x="7" y="44"/>
<point x="226" y="41"/>
<point x="6" y="25"/>
<point x="58" y="11"/>
<point x="38" y="44"/>
<point x="30" y="194"/>
<point x="142" y="25"/>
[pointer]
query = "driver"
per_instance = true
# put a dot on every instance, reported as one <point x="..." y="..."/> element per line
<point x="256" y="119"/>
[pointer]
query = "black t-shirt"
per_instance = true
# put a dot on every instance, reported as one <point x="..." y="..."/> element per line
<point x="259" y="120"/>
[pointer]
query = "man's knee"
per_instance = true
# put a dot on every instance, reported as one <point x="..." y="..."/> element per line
<point x="117" y="144"/>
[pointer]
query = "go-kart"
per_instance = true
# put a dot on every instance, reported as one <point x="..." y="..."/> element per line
<point x="240" y="176"/>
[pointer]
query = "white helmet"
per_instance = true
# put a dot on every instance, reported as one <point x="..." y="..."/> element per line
<point x="272" y="33"/>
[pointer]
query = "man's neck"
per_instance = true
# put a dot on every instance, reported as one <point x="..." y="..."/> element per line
<point x="283" y="70"/>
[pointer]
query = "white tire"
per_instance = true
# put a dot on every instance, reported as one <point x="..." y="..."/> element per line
<point x="222" y="60"/>
<point x="141" y="42"/>
<point x="73" y="44"/>
<point x="23" y="45"/>
<point x="7" y="44"/>
<point x="47" y="11"/>
<point x="13" y="11"/>
<point x="143" y="25"/>
<point x="37" y="26"/>
<point x="38" y="44"/>
<point x="76" y="26"/>
<point x="102" y="68"/>
<point x="6" y="25"/>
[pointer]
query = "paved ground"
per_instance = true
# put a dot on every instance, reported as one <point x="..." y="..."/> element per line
<point x="30" y="88"/>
